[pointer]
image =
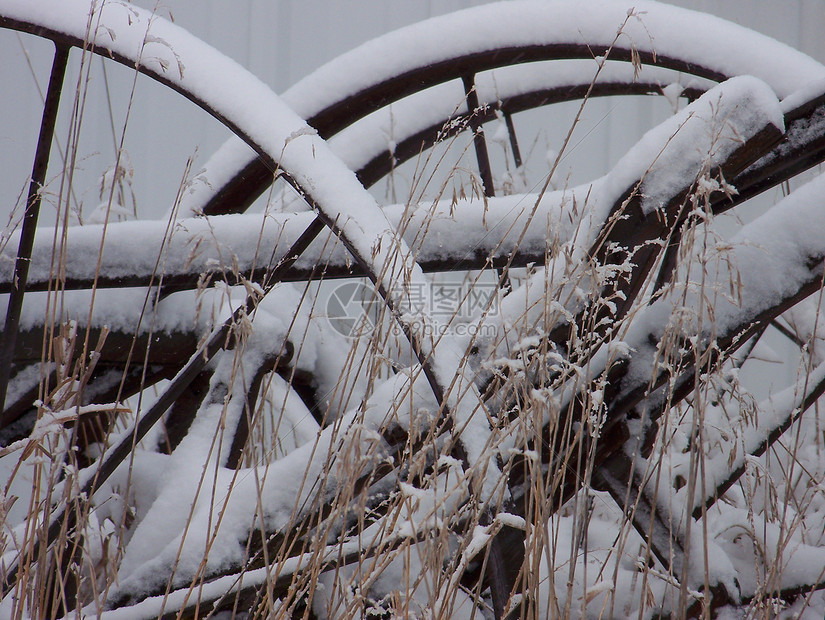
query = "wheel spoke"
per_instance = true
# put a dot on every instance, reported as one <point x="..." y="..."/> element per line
<point x="511" y="133"/>
<point x="24" y="250"/>
<point x="485" y="170"/>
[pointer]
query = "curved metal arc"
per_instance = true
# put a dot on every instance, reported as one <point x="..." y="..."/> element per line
<point x="252" y="178"/>
<point x="344" y="112"/>
<point x="406" y="148"/>
<point x="563" y="41"/>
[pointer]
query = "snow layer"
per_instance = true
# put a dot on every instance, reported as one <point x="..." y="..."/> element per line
<point x="238" y="243"/>
<point x="697" y="139"/>
<point x="671" y="32"/>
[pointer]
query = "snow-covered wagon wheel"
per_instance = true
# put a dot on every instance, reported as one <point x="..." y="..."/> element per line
<point x="462" y="456"/>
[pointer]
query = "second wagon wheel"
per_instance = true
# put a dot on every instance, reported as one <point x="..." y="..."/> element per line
<point x="376" y="251"/>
